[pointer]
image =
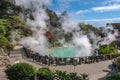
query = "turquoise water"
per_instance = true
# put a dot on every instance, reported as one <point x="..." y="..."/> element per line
<point x="62" y="52"/>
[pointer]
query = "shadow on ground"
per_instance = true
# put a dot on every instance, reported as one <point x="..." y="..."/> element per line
<point x="112" y="71"/>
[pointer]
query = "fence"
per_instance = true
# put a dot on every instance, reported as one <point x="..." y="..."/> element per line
<point x="49" y="60"/>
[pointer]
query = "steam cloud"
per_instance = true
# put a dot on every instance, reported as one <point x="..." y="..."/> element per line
<point x="38" y="41"/>
<point x="80" y="41"/>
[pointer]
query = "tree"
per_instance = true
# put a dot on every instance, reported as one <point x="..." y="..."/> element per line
<point x="20" y="71"/>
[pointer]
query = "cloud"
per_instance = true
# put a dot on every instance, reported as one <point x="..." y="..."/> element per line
<point x="81" y="11"/>
<point x="100" y="9"/>
<point x="69" y="1"/>
<point x="104" y="19"/>
<point x="115" y="1"/>
<point x="102" y="22"/>
<point x="106" y="8"/>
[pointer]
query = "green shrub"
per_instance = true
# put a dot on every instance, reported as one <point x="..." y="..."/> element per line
<point x="5" y="44"/>
<point x="61" y="75"/>
<point x="107" y="49"/>
<point x="20" y="71"/>
<point x="44" y="74"/>
<point x="73" y="76"/>
<point x="114" y="77"/>
<point x="118" y="63"/>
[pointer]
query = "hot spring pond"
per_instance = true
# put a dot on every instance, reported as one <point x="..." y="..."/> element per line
<point x="62" y="52"/>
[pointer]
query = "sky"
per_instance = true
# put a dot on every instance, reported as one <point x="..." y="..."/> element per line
<point x="95" y="12"/>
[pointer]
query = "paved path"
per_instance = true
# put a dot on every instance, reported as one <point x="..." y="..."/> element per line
<point x="2" y="74"/>
<point x="96" y="71"/>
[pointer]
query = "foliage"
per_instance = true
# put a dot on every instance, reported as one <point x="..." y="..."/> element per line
<point x="60" y="75"/>
<point x="44" y="74"/>
<point x="4" y="23"/>
<point x="8" y="8"/>
<point x="88" y="27"/>
<point x="25" y="71"/>
<point x="107" y="49"/>
<point x="5" y="44"/>
<point x="84" y="77"/>
<point x="73" y="76"/>
<point x="114" y="77"/>
<point x="118" y="63"/>
<point x="20" y="71"/>
<point x="12" y="26"/>
<point x="53" y="17"/>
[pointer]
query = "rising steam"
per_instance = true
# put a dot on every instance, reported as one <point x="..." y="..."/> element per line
<point x="38" y="41"/>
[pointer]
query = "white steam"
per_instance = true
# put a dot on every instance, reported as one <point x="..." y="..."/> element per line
<point x="38" y="41"/>
<point x="110" y="34"/>
<point x="84" y="47"/>
<point x="69" y="25"/>
<point x="80" y="41"/>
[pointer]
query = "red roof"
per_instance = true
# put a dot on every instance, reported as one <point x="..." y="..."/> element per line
<point x="48" y="35"/>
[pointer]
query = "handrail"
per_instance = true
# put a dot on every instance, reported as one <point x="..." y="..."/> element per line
<point x="49" y="60"/>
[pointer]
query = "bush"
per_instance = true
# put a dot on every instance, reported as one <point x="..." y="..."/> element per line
<point x="73" y="76"/>
<point x="61" y="75"/>
<point x="107" y="49"/>
<point x="44" y="74"/>
<point x="118" y="63"/>
<point x="114" y="77"/>
<point x="20" y="71"/>
<point x="24" y="71"/>
<point x="5" y="44"/>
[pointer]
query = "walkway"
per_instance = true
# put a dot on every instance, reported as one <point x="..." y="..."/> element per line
<point x="96" y="71"/>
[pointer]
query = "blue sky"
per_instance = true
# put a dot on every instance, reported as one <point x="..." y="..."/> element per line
<point x="95" y="12"/>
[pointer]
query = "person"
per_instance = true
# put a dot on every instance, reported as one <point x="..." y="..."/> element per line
<point x="96" y="56"/>
<point x="114" y="68"/>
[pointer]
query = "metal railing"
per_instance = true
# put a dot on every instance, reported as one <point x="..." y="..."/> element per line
<point x="49" y="60"/>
